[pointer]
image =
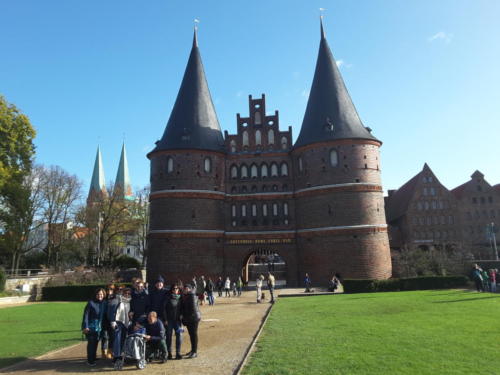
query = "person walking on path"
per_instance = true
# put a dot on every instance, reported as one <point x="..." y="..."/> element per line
<point x="209" y="289"/>
<point x="93" y="315"/>
<point x="155" y="337"/>
<point x="239" y="286"/>
<point x="493" y="281"/>
<point x="202" y="289"/>
<point x="227" y="287"/>
<point x="157" y="298"/>
<point x="173" y="315"/>
<point x="194" y="285"/>
<point x="271" y="284"/>
<point x="477" y="277"/>
<point x="220" y="285"/>
<point x="190" y="317"/>
<point x="258" y="285"/>
<point x="140" y="303"/>
<point x="118" y="316"/>
<point x="308" y="283"/>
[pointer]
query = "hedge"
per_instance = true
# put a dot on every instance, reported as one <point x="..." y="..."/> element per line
<point x="70" y="292"/>
<point x="413" y="283"/>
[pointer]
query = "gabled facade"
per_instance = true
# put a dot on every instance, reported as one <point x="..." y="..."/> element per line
<point x="217" y="202"/>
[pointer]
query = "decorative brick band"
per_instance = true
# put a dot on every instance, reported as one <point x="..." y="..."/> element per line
<point x="249" y="155"/>
<point x="339" y="142"/>
<point x="186" y="233"/>
<point x="185" y="193"/>
<point x="343" y="230"/>
<point x="259" y="196"/>
<point x="187" y="151"/>
<point x="351" y="187"/>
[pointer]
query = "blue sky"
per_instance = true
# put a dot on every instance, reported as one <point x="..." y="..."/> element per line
<point x="424" y="75"/>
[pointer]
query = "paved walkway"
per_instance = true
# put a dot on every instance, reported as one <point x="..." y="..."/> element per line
<point x="225" y="334"/>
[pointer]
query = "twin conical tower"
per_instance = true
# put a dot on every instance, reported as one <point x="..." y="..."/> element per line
<point x="220" y="202"/>
<point x="122" y="186"/>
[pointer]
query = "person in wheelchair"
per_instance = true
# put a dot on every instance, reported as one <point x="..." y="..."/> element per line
<point x="156" y="345"/>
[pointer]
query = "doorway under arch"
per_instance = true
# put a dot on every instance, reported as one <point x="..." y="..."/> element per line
<point x="262" y="261"/>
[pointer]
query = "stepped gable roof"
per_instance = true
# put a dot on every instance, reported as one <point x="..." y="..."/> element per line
<point x="193" y="123"/>
<point x="122" y="182"/>
<point x="497" y="187"/>
<point x="460" y="190"/>
<point x="330" y="113"/>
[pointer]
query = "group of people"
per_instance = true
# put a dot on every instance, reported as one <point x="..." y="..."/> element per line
<point x="485" y="280"/>
<point x="205" y="288"/>
<point x="115" y="312"/>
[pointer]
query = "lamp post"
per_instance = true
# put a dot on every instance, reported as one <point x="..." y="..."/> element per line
<point x="99" y="239"/>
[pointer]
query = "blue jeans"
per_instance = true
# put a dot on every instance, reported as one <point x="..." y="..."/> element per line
<point x="175" y="326"/>
<point x="210" y="296"/>
<point x="119" y="335"/>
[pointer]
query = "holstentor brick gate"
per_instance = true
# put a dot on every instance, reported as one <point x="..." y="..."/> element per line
<point x="217" y="199"/>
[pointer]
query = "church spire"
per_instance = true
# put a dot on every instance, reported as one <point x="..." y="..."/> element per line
<point x="193" y="123"/>
<point x="122" y="182"/>
<point x="330" y="113"/>
<point x="98" y="183"/>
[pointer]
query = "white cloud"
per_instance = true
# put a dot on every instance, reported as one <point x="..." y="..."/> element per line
<point x="339" y="63"/>
<point x="441" y="35"/>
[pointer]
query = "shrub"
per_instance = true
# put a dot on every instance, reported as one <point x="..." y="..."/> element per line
<point x="413" y="283"/>
<point x="3" y="279"/>
<point x="70" y="292"/>
<point x="124" y="262"/>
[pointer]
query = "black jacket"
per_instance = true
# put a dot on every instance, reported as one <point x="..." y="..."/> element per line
<point x="156" y="330"/>
<point x="173" y="307"/>
<point x="157" y="299"/>
<point x="139" y="304"/>
<point x="190" y="312"/>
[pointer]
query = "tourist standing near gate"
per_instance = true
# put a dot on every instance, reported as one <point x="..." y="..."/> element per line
<point x="477" y="277"/>
<point x="173" y="315"/>
<point x="227" y="287"/>
<point x="493" y="281"/>
<point x="157" y="298"/>
<point x="220" y="285"/>
<point x="93" y="315"/>
<point x="118" y="317"/>
<point x="190" y="317"/>
<point x="209" y="289"/>
<point x="258" y="285"/>
<point x="271" y="284"/>
<point x="307" y="282"/>
<point x="239" y="286"/>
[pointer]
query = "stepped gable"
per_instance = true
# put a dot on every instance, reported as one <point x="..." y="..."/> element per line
<point x="193" y="123"/>
<point x="330" y="113"/>
<point x="460" y="190"/>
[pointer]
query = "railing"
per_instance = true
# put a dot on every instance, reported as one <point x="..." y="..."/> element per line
<point x="25" y="272"/>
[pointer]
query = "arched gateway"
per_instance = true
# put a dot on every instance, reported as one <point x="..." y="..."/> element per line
<point x="216" y="199"/>
<point x="261" y="262"/>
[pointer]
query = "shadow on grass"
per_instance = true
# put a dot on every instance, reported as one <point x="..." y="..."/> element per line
<point x="466" y="300"/>
<point x="54" y="366"/>
<point x="54" y="331"/>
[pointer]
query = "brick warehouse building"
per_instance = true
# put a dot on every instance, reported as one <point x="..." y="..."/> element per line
<point x="217" y="201"/>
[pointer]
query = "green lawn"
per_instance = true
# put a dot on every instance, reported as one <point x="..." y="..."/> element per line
<point x="31" y="330"/>
<point x="424" y="332"/>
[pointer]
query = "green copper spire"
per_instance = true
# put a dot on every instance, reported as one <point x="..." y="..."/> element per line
<point x="122" y="182"/>
<point x="98" y="182"/>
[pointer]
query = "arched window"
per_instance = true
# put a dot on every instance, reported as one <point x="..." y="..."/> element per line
<point x="243" y="210"/>
<point x="170" y="165"/>
<point x="264" y="209"/>
<point x="270" y="137"/>
<point x="285" y="209"/>
<point x="233" y="190"/>
<point x="258" y="137"/>
<point x="245" y="138"/>
<point x="234" y="171"/>
<point x="254" y="210"/>
<point x="254" y="189"/>
<point x="334" y="158"/>
<point x="274" y="170"/>
<point x="284" y="169"/>
<point x="275" y="209"/>
<point x="208" y="165"/>
<point x="233" y="145"/>
<point x="284" y="143"/>
<point x="301" y="165"/>
<point x="263" y="170"/>
<point x="233" y="210"/>
<point x="244" y="171"/>
<point x="254" y="173"/>
<point x="258" y="119"/>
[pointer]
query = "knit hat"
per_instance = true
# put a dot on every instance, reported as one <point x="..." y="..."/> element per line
<point x="160" y="279"/>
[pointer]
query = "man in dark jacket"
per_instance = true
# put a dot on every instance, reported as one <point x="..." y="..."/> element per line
<point x="157" y="298"/>
<point x="220" y="286"/>
<point x="155" y="337"/>
<point x="139" y="304"/>
<point x="190" y="317"/>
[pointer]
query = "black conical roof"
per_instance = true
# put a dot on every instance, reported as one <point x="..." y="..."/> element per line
<point x="193" y="123"/>
<point x="330" y="113"/>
